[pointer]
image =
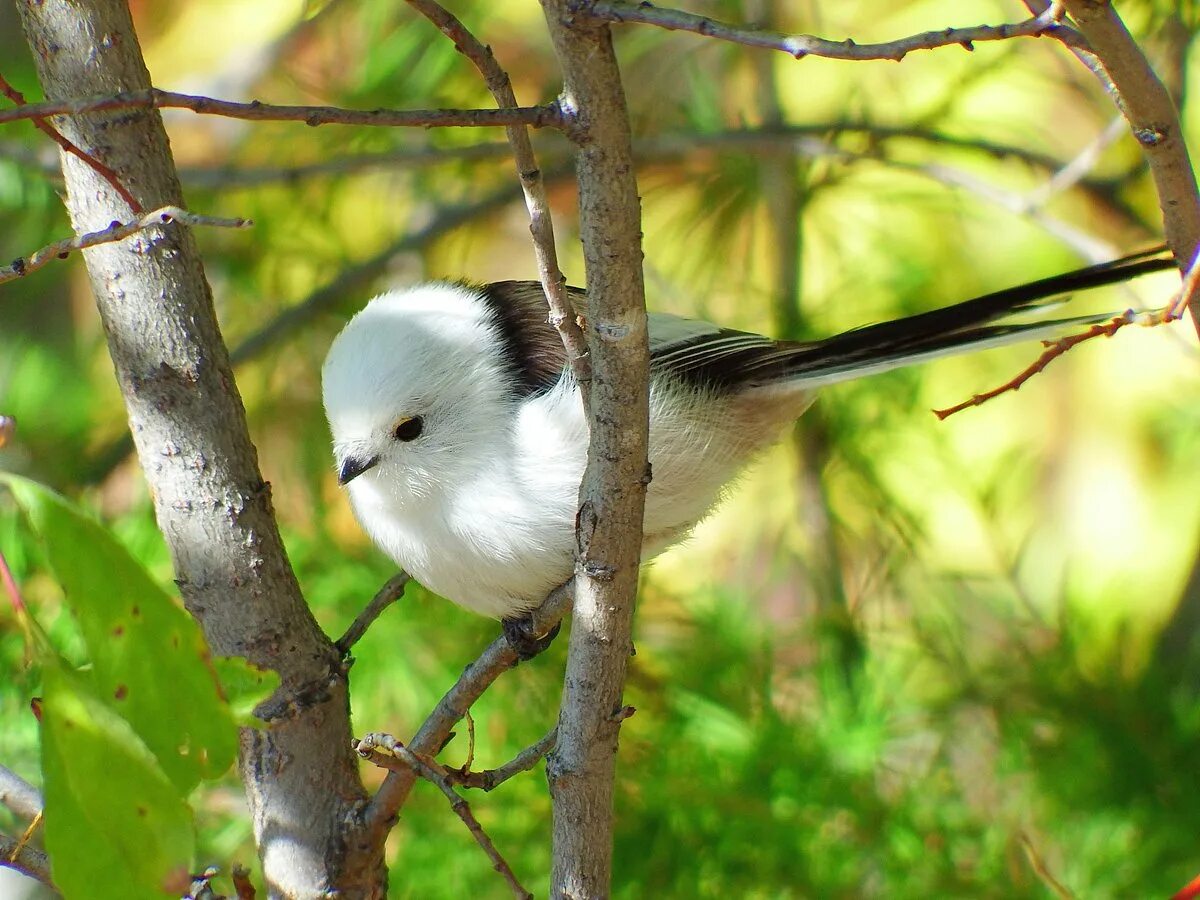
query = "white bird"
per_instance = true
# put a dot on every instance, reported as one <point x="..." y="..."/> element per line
<point x="461" y="436"/>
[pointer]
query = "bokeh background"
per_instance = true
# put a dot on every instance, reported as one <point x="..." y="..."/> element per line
<point x="905" y="658"/>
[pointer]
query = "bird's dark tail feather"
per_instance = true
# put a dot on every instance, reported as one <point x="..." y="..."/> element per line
<point x="960" y="328"/>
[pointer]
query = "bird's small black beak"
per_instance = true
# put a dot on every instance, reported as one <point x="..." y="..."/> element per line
<point x="352" y="467"/>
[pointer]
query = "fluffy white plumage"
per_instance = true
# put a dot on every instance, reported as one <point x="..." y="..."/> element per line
<point x="462" y="438"/>
<point x="481" y="507"/>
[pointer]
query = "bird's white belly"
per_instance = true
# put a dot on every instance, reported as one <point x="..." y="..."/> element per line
<point x="498" y="541"/>
<point x="484" y="546"/>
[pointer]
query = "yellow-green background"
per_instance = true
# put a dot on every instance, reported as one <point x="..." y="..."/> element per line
<point x="994" y="666"/>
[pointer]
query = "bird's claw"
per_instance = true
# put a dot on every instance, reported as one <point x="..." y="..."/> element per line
<point x="521" y="637"/>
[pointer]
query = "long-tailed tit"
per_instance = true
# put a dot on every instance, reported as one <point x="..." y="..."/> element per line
<point x="462" y="438"/>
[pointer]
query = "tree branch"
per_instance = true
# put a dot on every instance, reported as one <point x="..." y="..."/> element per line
<point x="1150" y="111"/>
<point x="490" y="779"/>
<point x="25" y="265"/>
<point x="392" y="591"/>
<point x="189" y="427"/>
<point x="497" y="659"/>
<point x="541" y="224"/>
<point x="25" y="859"/>
<point x="153" y="98"/>
<point x="802" y="45"/>
<point x="385" y="751"/>
<point x="17" y="795"/>
<point x="608" y="533"/>
<point x="51" y="132"/>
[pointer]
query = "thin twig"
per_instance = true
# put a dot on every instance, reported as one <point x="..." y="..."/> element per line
<point x="18" y="795"/>
<point x="1041" y="869"/>
<point x="545" y="116"/>
<point x="386" y="752"/>
<point x="28" y="860"/>
<point x="470" y="741"/>
<point x="117" y="231"/>
<point x="1188" y="290"/>
<point x="392" y="591"/>
<point x="541" y="226"/>
<point x="490" y="779"/>
<point x="1057" y="348"/>
<point x="50" y="131"/>
<point x="497" y="659"/>
<point x="802" y="45"/>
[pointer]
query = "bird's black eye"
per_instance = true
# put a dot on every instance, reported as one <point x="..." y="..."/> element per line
<point x="409" y="429"/>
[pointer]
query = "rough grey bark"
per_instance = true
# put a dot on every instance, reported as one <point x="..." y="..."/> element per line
<point x="612" y="497"/>
<point x="189" y="428"/>
<point x="1154" y="121"/>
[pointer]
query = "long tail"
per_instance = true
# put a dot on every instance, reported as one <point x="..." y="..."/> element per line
<point x="961" y="328"/>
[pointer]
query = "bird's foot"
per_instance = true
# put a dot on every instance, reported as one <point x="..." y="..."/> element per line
<point x="522" y="638"/>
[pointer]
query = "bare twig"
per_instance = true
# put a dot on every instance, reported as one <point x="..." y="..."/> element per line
<point x="385" y="751"/>
<point x="541" y="226"/>
<point x="392" y="591"/>
<point x="18" y="795"/>
<point x="490" y="779"/>
<point x="1057" y="348"/>
<point x="466" y="767"/>
<point x="1150" y="111"/>
<point x="25" y="859"/>
<point x="1041" y="869"/>
<point x="802" y="45"/>
<point x="535" y="116"/>
<point x="498" y="658"/>
<point x="117" y="231"/>
<point x="50" y="131"/>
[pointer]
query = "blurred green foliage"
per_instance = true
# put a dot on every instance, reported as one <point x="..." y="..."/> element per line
<point x="1001" y="693"/>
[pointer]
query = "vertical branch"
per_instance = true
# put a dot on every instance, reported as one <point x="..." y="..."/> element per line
<point x="541" y="225"/>
<point x="612" y="496"/>
<point x="1154" y="120"/>
<point x="189" y="428"/>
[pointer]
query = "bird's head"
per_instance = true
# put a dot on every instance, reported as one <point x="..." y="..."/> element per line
<point x="414" y="391"/>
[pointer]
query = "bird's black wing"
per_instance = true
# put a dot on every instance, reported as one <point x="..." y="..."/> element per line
<point x="724" y="359"/>
<point x="531" y="343"/>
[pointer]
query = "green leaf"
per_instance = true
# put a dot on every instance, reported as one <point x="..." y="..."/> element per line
<point x="149" y="658"/>
<point x="244" y="686"/>
<point x="115" y="824"/>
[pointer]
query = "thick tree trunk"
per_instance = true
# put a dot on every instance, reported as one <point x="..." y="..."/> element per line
<point x="189" y="427"/>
